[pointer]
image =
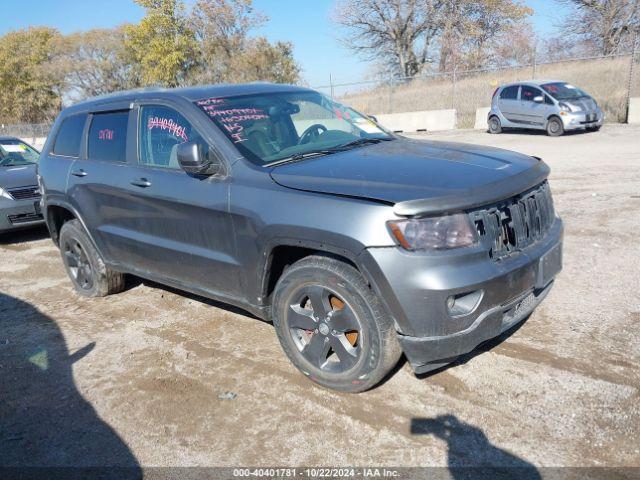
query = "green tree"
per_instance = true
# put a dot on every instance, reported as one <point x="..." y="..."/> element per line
<point x="30" y="85"/>
<point x="227" y="52"/>
<point x="161" y="48"/>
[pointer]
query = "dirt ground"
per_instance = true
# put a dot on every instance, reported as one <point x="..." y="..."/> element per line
<point x="140" y="378"/>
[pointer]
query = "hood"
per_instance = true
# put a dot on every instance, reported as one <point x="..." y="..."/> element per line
<point x="583" y="104"/>
<point x="19" y="176"/>
<point x="418" y="177"/>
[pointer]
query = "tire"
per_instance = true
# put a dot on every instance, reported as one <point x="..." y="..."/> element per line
<point x="555" y="128"/>
<point x="88" y="273"/>
<point x="352" y="345"/>
<point x="494" y="125"/>
<point x="594" y="129"/>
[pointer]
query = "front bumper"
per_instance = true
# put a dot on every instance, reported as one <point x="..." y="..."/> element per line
<point x="580" y="120"/>
<point x="19" y="214"/>
<point x="416" y="287"/>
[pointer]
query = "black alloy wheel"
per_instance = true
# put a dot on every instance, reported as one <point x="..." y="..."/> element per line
<point x="324" y="328"/>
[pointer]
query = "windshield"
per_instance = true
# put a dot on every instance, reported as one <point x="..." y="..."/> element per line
<point x="273" y="127"/>
<point x="15" y="152"/>
<point x="563" y="91"/>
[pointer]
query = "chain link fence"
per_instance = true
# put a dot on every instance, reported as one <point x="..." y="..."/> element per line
<point x="611" y="80"/>
<point x="26" y="131"/>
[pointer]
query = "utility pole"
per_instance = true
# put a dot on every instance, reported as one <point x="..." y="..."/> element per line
<point x="631" y="69"/>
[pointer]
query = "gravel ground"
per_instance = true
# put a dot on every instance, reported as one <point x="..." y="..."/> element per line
<point x="143" y="377"/>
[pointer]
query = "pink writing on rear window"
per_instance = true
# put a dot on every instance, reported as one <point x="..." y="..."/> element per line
<point x="105" y="134"/>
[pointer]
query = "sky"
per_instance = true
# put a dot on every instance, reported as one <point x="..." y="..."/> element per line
<point x="306" y="23"/>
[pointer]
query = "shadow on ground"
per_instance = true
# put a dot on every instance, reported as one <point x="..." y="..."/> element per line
<point x="44" y="421"/>
<point x="470" y="454"/>
<point x="22" y="236"/>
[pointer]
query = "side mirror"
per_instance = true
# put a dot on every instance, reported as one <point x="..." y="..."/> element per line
<point x="193" y="159"/>
<point x="538" y="99"/>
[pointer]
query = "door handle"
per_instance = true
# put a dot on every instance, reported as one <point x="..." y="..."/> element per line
<point x="79" y="173"/>
<point x="141" y="182"/>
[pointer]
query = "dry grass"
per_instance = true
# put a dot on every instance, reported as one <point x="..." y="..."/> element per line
<point x="605" y="79"/>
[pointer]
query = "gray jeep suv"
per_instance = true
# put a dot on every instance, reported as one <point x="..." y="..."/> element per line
<point x="358" y="245"/>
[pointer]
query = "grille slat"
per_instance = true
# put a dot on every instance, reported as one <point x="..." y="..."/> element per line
<point x="24" y="193"/>
<point x="515" y="223"/>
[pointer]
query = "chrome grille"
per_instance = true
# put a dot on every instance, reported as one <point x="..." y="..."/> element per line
<point x="24" y="193"/>
<point x="516" y="223"/>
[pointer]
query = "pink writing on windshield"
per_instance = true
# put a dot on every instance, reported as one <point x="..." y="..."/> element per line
<point x="169" y="125"/>
<point x="105" y="134"/>
<point x="210" y="101"/>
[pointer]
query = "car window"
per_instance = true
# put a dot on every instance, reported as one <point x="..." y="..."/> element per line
<point x="548" y="101"/>
<point x="16" y="152"/>
<point x="108" y="137"/>
<point x="274" y="126"/>
<point x="510" y="93"/>
<point x="528" y="93"/>
<point x="69" y="137"/>
<point x="161" y="130"/>
<point x="563" y="91"/>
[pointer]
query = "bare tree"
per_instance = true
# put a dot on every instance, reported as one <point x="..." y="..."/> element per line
<point x="94" y="63"/>
<point x="401" y="31"/>
<point x="410" y="35"/>
<point x="606" y="25"/>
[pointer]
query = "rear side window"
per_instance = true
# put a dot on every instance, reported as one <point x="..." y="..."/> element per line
<point x="510" y="93"/>
<point x="108" y="137"/>
<point x="69" y="136"/>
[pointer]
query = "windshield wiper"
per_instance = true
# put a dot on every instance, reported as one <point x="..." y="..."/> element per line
<point x="300" y="156"/>
<point x="359" y="142"/>
<point x="326" y="151"/>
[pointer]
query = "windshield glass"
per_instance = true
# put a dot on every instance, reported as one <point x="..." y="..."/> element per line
<point x="563" y="91"/>
<point x="16" y="152"/>
<point x="271" y="127"/>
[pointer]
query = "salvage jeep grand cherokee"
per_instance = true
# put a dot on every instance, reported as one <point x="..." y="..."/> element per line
<point x="359" y="245"/>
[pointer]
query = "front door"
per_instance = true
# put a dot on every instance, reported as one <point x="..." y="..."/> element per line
<point x="530" y="112"/>
<point x="182" y="228"/>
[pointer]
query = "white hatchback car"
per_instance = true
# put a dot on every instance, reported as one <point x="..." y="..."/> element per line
<point x="553" y="106"/>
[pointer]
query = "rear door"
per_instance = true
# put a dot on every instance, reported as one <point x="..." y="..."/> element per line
<point x="179" y="223"/>
<point x="96" y="186"/>
<point x="508" y="102"/>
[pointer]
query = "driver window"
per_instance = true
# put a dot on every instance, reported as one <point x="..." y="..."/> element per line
<point x="528" y="93"/>
<point x="162" y="129"/>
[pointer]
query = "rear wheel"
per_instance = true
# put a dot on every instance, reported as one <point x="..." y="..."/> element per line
<point x="88" y="273"/>
<point x="555" y="128"/>
<point x="332" y="326"/>
<point x="494" y="125"/>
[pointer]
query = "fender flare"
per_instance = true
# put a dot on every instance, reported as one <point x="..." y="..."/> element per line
<point x="76" y="214"/>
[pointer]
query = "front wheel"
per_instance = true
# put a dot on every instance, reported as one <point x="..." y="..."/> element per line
<point x="332" y="326"/>
<point x="555" y="128"/>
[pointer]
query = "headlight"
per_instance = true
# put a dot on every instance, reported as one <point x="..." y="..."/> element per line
<point x="5" y="194"/>
<point x="564" y="107"/>
<point x="434" y="233"/>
